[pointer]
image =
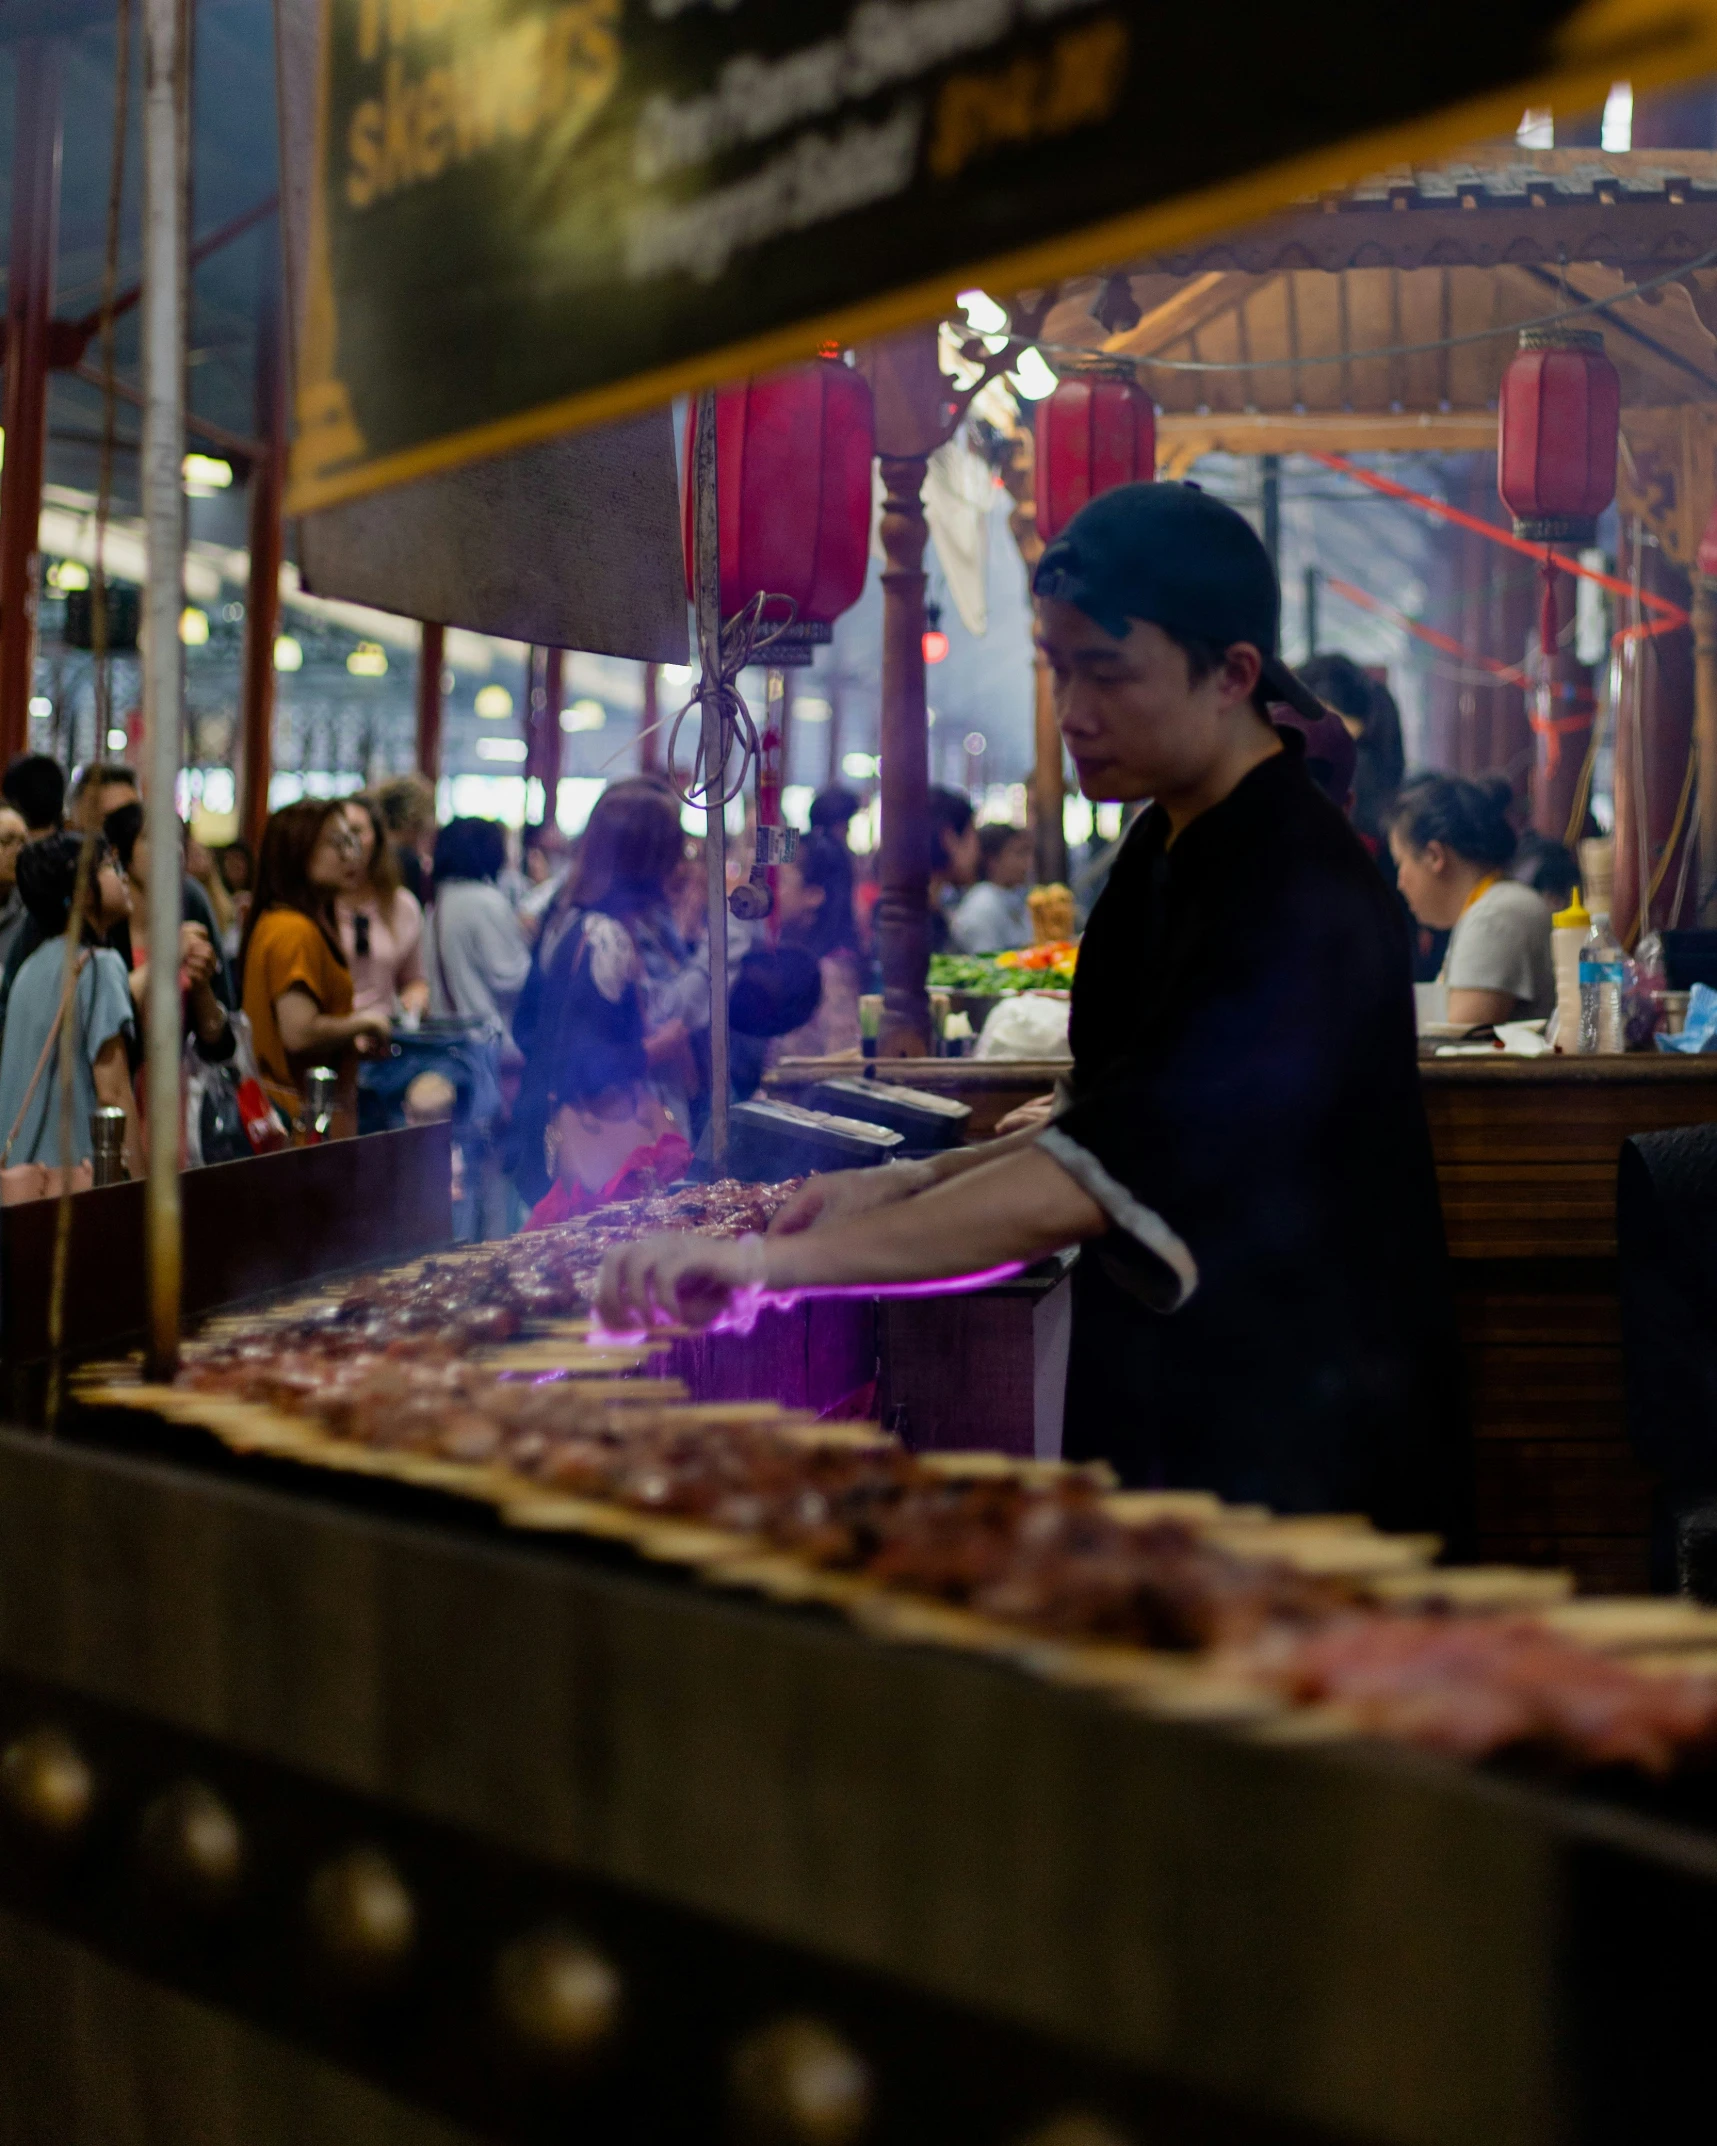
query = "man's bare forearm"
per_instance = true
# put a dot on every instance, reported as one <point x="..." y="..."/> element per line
<point x="1002" y="1207"/>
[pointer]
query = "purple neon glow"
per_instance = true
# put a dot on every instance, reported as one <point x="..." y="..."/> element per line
<point x="743" y="1309"/>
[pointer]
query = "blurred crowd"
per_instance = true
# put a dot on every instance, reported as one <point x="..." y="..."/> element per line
<point x="549" y="995"/>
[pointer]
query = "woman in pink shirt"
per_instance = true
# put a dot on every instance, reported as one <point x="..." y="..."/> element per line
<point x="381" y="922"/>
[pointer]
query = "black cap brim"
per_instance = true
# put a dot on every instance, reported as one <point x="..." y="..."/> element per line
<point x="1277" y="682"/>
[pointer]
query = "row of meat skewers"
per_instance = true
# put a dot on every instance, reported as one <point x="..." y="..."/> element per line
<point x="476" y="1373"/>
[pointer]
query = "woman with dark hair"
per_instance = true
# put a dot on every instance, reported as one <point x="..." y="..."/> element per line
<point x="992" y="915"/>
<point x="473" y="948"/>
<point x="953" y="858"/>
<point x="814" y="901"/>
<point x="380" y="920"/>
<point x="100" y="1010"/>
<point x="610" y="941"/>
<point x="1367" y="707"/>
<point x="297" y="989"/>
<point x="1452" y="842"/>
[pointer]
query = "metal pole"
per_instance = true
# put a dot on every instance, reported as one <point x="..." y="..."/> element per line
<point x="1270" y="469"/>
<point x="649" y="739"/>
<point x="30" y="299"/>
<point x="1705" y="731"/>
<point x="166" y="271"/>
<point x="262" y="603"/>
<point x="713" y="756"/>
<point x="429" y="666"/>
<point x="1311" y="612"/>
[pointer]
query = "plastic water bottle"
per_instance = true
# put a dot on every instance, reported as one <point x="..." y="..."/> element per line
<point x="1601" y="988"/>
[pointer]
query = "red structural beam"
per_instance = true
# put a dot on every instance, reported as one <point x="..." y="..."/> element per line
<point x="1505" y="537"/>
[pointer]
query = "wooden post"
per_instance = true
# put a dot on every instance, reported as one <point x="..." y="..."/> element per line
<point x="912" y="399"/>
<point x="1654" y="739"/>
<point x="262" y="606"/>
<point x="649" y="738"/>
<point x="834" y="760"/>
<point x="1564" y="705"/>
<point x="1705" y="729"/>
<point x="166" y="286"/>
<point x="429" y="662"/>
<point x="30" y="298"/>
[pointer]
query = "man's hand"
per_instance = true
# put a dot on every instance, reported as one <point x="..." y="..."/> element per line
<point x="675" y="1279"/>
<point x="845" y="1194"/>
<point x="1030" y="1117"/>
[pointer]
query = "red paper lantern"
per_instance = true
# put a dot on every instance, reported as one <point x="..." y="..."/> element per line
<point x="793" y="488"/>
<point x="1558" y="420"/>
<point x="1098" y="430"/>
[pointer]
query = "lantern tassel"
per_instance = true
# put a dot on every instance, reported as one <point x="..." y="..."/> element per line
<point x="1549" y="635"/>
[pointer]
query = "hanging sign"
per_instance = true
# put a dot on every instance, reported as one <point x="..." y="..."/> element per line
<point x="529" y="215"/>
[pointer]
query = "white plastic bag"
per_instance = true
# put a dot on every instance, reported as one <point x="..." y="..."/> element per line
<point x="1033" y="1025"/>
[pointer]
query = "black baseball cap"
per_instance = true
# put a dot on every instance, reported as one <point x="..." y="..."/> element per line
<point x="1174" y="557"/>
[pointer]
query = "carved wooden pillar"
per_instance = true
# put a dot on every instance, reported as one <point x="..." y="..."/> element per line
<point x="903" y="910"/>
<point x="1654" y="736"/>
<point x="912" y="414"/>
<point x="1562" y="723"/>
<point x="1049" y="784"/>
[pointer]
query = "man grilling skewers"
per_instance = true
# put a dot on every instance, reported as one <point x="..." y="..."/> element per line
<point x="1261" y="1302"/>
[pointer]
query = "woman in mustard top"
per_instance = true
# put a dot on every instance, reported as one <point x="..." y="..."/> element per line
<point x="297" y="987"/>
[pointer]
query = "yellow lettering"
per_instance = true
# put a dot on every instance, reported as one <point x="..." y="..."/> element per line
<point x="399" y="149"/>
<point x="978" y="112"/>
<point x="364" y="146"/>
<point x="369" y="29"/>
<point x="434" y="122"/>
<point x="1085" y="77"/>
<point x="429" y="17"/>
<point x="399" y="22"/>
<point x="476" y="98"/>
<point x="523" y="65"/>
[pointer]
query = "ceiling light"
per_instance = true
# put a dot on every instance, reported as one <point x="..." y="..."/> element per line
<point x="584" y="715"/>
<point x="68" y="574"/>
<point x="40" y="705"/>
<point x="494" y="703"/>
<point x="982" y="312"/>
<point x="117" y="741"/>
<point x="502" y="749"/>
<point x="288" y="653"/>
<point x="1032" y="376"/>
<point x="860" y="766"/>
<point x="193" y="627"/>
<point x="205" y="475"/>
<point x="368" y="660"/>
<point x="811" y="711"/>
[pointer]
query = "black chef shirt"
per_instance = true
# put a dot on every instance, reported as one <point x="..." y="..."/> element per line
<point x="1268" y="1315"/>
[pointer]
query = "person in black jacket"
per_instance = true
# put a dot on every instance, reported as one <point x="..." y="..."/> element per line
<point x="1261" y="1301"/>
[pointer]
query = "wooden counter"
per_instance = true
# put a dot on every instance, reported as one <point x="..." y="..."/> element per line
<point x="1526" y="1160"/>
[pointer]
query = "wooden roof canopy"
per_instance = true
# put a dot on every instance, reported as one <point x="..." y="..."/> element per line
<point x="1418" y="256"/>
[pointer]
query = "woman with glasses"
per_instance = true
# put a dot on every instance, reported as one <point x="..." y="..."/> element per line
<point x="297" y="984"/>
<point x="380" y="920"/>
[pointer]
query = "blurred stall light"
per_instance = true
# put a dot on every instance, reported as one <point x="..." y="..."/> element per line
<point x="1537" y="128"/>
<point x="487" y="797"/>
<point x="1592" y="611"/>
<point x="677" y="674"/>
<point x="40" y="705"/>
<point x="494" y="704"/>
<point x="502" y="749"/>
<point x="218" y="793"/>
<point x="865" y="830"/>
<point x="68" y="574"/>
<point x="935" y="645"/>
<point x="583" y="715"/>
<point x="796" y="798"/>
<point x="575" y="800"/>
<point x="810" y="710"/>
<point x="984" y="317"/>
<point x="862" y="767"/>
<point x="232" y="613"/>
<point x="1077" y="820"/>
<point x="1618" y="129"/>
<point x="368" y="660"/>
<point x="117" y="741"/>
<point x="535" y="798"/>
<point x="288" y="653"/>
<point x="194" y="627"/>
<point x="1108" y="819"/>
<point x="977" y="745"/>
<point x="205" y="475"/>
<point x="1032" y="376"/>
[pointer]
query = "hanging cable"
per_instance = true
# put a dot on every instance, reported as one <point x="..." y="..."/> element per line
<point x="722" y="707"/>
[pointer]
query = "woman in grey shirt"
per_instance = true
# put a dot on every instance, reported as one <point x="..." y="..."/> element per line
<point x="1452" y="842"/>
